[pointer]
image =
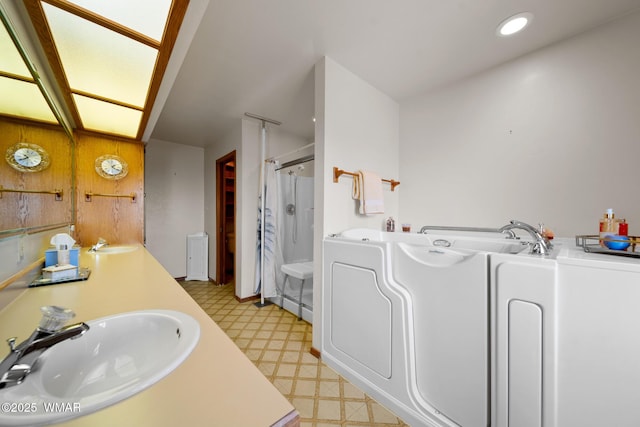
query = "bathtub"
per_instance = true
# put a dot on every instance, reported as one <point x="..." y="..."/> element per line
<point x="406" y="317"/>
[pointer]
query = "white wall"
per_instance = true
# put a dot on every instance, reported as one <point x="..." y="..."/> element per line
<point x="357" y="127"/>
<point x="174" y="201"/>
<point x="551" y="137"/>
<point x="360" y="131"/>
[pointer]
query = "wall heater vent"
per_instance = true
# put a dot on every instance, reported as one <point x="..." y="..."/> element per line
<point x="198" y="256"/>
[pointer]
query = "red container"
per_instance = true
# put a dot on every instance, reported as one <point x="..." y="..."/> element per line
<point x="623" y="228"/>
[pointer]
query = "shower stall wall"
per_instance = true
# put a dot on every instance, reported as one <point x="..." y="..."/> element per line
<point x="295" y="236"/>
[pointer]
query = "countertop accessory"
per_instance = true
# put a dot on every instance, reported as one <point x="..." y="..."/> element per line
<point x="82" y="274"/>
<point x="591" y="243"/>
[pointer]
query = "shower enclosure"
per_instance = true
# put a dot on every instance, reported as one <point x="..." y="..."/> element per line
<point x="295" y="180"/>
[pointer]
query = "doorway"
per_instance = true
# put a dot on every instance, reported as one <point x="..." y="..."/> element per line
<point x="226" y="218"/>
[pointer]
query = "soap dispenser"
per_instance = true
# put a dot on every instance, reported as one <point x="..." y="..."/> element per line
<point x="607" y="225"/>
<point x="391" y="224"/>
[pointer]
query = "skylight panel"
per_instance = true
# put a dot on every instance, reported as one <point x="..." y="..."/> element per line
<point x="107" y="117"/>
<point x="23" y="99"/>
<point x="99" y="61"/>
<point x="144" y="16"/>
<point x="10" y="61"/>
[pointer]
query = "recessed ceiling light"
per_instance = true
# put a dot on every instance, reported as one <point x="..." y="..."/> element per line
<point x="514" y="24"/>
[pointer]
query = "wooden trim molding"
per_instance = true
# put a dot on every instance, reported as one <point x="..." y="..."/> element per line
<point x="315" y="352"/>
<point x="247" y="299"/>
<point x="36" y="264"/>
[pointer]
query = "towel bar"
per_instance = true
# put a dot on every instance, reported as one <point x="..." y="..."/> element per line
<point x="337" y="172"/>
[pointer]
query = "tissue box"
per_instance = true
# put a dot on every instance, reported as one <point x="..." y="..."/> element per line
<point x="51" y="257"/>
<point x="59" y="272"/>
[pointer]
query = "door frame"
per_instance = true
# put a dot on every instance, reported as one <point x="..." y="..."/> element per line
<point x="221" y="232"/>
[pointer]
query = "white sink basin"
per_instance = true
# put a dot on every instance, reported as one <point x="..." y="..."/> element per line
<point x="116" y="358"/>
<point x="121" y="249"/>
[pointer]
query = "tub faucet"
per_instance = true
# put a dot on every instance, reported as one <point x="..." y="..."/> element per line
<point x="540" y="246"/>
<point x="97" y="246"/>
<point x="22" y="357"/>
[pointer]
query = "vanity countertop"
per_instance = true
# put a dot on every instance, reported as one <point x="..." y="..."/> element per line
<point x="217" y="385"/>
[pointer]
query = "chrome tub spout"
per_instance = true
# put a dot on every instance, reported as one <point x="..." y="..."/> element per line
<point x="540" y="245"/>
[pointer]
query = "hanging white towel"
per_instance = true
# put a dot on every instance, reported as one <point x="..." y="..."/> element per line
<point x="367" y="188"/>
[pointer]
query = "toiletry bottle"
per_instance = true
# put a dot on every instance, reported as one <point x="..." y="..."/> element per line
<point x="608" y="225"/>
<point x="623" y="227"/>
<point x="391" y="224"/>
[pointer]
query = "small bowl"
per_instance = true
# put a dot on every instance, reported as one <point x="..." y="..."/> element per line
<point x="618" y="244"/>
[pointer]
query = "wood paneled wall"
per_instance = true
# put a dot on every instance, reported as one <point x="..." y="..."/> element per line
<point x="22" y="210"/>
<point x="117" y="220"/>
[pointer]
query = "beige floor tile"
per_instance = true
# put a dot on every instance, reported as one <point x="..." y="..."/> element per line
<point x="308" y="371"/>
<point x="329" y="389"/>
<point x="352" y="391"/>
<point x="356" y="411"/>
<point x="381" y="414"/>
<point x="304" y="406"/>
<point x="271" y="355"/>
<point x="258" y="343"/>
<point x="284" y="386"/>
<point x="286" y="370"/>
<point x="305" y="388"/>
<point x="267" y="368"/>
<point x="329" y="410"/>
<point x="291" y="356"/>
<point x="328" y="373"/>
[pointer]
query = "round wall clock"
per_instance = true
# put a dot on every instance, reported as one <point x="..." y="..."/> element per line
<point x="27" y="157"/>
<point x="111" y="166"/>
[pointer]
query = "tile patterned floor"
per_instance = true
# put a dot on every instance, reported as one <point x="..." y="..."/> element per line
<point x="278" y="344"/>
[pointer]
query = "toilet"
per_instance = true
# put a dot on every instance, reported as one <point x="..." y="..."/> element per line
<point x="299" y="270"/>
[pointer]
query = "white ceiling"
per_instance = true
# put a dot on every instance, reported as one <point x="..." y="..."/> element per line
<point x="258" y="55"/>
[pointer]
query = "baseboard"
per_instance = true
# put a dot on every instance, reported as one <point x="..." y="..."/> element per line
<point x="247" y="299"/>
<point x="315" y="352"/>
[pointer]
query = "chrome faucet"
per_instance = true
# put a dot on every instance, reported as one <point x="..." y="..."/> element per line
<point x="97" y="246"/>
<point x="540" y="246"/>
<point x="22" y="358"/>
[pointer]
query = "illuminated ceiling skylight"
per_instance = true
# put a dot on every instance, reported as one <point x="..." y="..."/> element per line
<point x="147" y="17"/>
<point x="108" y="57"/>
<point x="21" y="97"/>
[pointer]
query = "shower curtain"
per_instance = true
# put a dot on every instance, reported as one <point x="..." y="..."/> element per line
<point x="271" y="247"/>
